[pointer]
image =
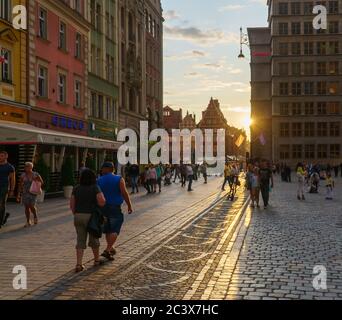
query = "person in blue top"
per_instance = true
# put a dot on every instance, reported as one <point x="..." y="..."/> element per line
<point x="115" y="192"/>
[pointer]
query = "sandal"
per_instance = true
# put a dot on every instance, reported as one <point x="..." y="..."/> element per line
<point x="79" y="268"/>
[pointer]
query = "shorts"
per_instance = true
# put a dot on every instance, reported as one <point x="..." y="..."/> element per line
<point x="81" y="224"/>
<point x="114" y="219"/>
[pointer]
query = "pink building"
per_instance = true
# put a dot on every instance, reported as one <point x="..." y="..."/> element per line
<point x="58" y="90"/>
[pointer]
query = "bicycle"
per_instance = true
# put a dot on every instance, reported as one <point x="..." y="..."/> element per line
<point x="234" y="183"/>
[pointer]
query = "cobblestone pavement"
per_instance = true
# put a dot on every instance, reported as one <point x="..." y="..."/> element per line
<point x="47" y="250"/>
<point x="215" y="249"/>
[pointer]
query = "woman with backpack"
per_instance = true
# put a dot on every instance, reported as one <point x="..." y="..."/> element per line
<point x="85" y="198"/>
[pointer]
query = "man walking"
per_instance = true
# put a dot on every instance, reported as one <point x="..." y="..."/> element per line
<point x="7" y="185"/>
<point x="115" y="192"/>
<point x="266" y="177"/>
<point x="183" y="172"/>
<point x="204" y="171"/>
<point x="190" y="176"/>
<point x="134" y="173"/>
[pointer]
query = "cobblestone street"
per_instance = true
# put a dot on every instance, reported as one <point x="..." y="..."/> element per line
<point x="189" y="246"/>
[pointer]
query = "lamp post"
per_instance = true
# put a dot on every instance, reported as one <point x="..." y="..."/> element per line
<point x="243" y="41"/>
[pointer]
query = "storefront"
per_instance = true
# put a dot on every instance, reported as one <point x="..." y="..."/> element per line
<point x="53" y="147"/>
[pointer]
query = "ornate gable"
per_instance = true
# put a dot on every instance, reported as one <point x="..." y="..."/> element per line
<point x="8" y="35"/>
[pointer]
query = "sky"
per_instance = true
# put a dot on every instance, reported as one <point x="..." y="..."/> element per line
<point x="201" y="45"/>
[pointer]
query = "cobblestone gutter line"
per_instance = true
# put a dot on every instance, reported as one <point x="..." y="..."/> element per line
<point x="220" y="251"/>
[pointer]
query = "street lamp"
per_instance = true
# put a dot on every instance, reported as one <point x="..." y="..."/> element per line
<point x="243" y="41"/>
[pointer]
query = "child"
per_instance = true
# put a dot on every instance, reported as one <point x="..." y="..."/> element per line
<point x="330" y="184"/>
<point x="255" y="185"/>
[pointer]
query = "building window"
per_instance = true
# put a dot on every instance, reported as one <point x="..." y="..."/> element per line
<point x="284" y="89"/>
<point x="283" y="69"/>
<point x="335" y="129"/>
<point x="310" y="151"/>
<point x="284" y="130"/>
<point x="296" y="68"/>
<point x="321" y="87"/>
<point x="335" y="151"/>
<point x="284" y="109"/>
<point x="309" y="129"/>
<point x="42" y="82"/>
<point x="321" y="108"/>
<point x="309" y="88"/>
<point x="297" y="129"/>
<point x="78" y="93"/>
<point x="297" y="150"/>
<point x="333" y="27"/>
<point x="295" y="48"/>
<point x="308" y="8"/>
<point x="42" y="32"/>
<point x="321" y="68"/>
<point x="295" y="8"/>
<point x="98" y="20"/>
<point x="308" y="28"/>
<point x="333" y="88"/>
<point x="77" y="6"/>
<point x="78" y="46"/>
<point x="322" y="151"/>
<point x="283" y="8"/>
<point x="321" y="48"/>
<point x="296" y="88"/>
<point x="100" y="107"/>
<point x="308" y="68"/>
<point x="283" y="28"/>
<point x="6" y="10"/>
<point x="308" y="48"/>
<point x="333" y="7"/>
<point x="283" y="48"/>
<point x="296" y="109"/>
<point x="6" y="66"/>
<point x="98" y="62"/>
<point x="334" y="47"/>
<point x="334" y="108"/>
<point x="309" y="108"/>
<point x="334" y="67"/>
<point x="93" y="105"/>
<point x="322" y="129"/>
<point x="62" y="88"/>
<point x="62" y="36"/>
<point x="284" y="152"/>
<point x="296" y="28"/>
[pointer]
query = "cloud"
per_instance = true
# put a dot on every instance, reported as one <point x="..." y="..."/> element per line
<point x="171" y="15"/>
<point x="187" y="55"/>
<point x="231" y="7"/>
<point x="263" y="2"/>
<point x="200" y="37"/>
<point x="235" y="109"/>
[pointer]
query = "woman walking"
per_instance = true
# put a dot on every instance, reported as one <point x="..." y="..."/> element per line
<point x="26" y="195"/>
<point x="255" y="186"/>
<point x="84" y="200"/>
<point x="301" y="174"/>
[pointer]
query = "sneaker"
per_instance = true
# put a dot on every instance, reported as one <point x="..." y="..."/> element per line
<point x="6" y="218"/>
<point x="107" y="255"/>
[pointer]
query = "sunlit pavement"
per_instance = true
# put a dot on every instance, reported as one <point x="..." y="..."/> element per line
<point x="191" y="246"/>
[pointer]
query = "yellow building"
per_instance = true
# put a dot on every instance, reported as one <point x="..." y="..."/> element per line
<point x="13" y="66"/>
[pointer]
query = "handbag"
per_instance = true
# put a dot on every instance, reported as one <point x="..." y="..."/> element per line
<point x="96" y="223"/>
<point x="36" y="188"/>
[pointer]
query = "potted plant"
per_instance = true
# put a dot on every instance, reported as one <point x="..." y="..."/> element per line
<point x="68" y="180"/>
<point x="44" y="172"/>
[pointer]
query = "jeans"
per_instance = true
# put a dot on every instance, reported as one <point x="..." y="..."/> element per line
<point x="265" y="192"/>
<point x="134" y="181"/>
<point x="183" y="180"/>
<point x="3" y="201"/>
<point x="190" y="178"/>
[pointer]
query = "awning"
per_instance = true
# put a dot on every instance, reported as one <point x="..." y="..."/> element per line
<point x="18" y="133"/>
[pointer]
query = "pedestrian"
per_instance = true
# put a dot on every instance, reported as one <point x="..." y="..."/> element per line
<point x="255" y="187"/>
<point x="301" y="174"/>
<point x="146" y="180"/>
<point x="160" y="173"/>
<point x="204" y="171"/>
<point x="176" y="172"/>
<point x="82" y="168"/>
<point x="115" y="192"/>
<point x="183" y="173"/>
<point x="133" y="173"/>
<point x="227" y="174"/>
<point x="25" y="194"/>
<point x="190" y="176"/>
<point x="85" y="197"/>
<point x="7" y="186"/>
<point x="266" y="178"/>
<point x="153" y="178"/>
<point x="168" y="174"/>
<point x="330" y="185"/>
<point x="249" y="180"/>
